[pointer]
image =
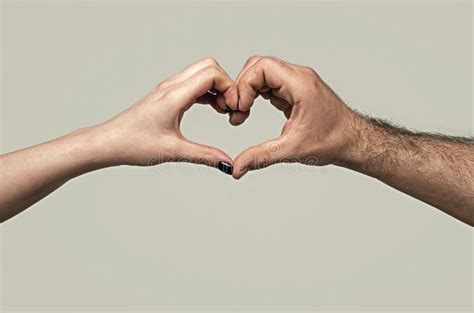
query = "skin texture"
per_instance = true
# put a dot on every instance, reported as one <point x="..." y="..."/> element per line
<point x="145" y="134"/>
<point x="321" y="129"/>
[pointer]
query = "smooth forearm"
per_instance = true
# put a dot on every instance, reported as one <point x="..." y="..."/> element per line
<point x="146" y="133"/>
<point x="30" y="174"/>
<point x="435" y="169"/>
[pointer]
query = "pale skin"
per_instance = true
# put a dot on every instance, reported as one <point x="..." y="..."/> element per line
<point x="145" y="134"/>
<point x="321" y="129"/>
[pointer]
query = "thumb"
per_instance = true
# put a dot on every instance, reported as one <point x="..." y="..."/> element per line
<point x="201" y="154"/>
<point x="260" y="156"/>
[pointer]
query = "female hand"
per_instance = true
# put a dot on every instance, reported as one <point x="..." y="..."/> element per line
<point x="145" y="134"/>
<point x="148" y="133"/>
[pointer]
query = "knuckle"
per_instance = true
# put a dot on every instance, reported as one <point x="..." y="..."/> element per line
<point x="211" y="71"/>
<point x="210" y="61"/>
<point x="308" y="76"/>
<point x="274" y="58"/>
<point x="309" y="70"/>
<point x="266" y="61"/>
<point x="252" y="59"/>
<point x="230" y="92"/>
<point x="262" y="61"/>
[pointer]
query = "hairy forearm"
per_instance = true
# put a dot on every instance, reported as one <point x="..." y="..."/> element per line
<point x="30" y="174"/>
<point x="436" y="169"/>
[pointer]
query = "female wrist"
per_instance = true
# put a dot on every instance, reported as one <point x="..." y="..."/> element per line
<point x="96" y="147"/>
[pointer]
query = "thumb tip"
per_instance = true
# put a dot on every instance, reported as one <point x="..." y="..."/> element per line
<point x="238" y="173"/>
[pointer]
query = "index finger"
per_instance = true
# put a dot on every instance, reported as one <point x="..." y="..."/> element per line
<point x="201" y="82"/>
<point x="263" y="74"/>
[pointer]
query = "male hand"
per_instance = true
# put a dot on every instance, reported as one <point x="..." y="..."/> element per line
<point x="318" y="121"/>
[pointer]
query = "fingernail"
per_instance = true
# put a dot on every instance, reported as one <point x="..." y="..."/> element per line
<point x="225" y="167"/>
<point x="228" y="110"/>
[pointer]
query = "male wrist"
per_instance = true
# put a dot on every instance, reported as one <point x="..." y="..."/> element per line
<point x="356" y="144"/>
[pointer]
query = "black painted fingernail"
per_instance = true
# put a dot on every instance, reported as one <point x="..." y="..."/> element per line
<point x="228" y="110"/>
<point x="225" y="167"/>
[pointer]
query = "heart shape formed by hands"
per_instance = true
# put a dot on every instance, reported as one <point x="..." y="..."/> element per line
<point x="320" y="129"/>
<point x="314" y="133"/>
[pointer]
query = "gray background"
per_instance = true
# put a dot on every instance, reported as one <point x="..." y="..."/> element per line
<point x="188" y="237"/>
